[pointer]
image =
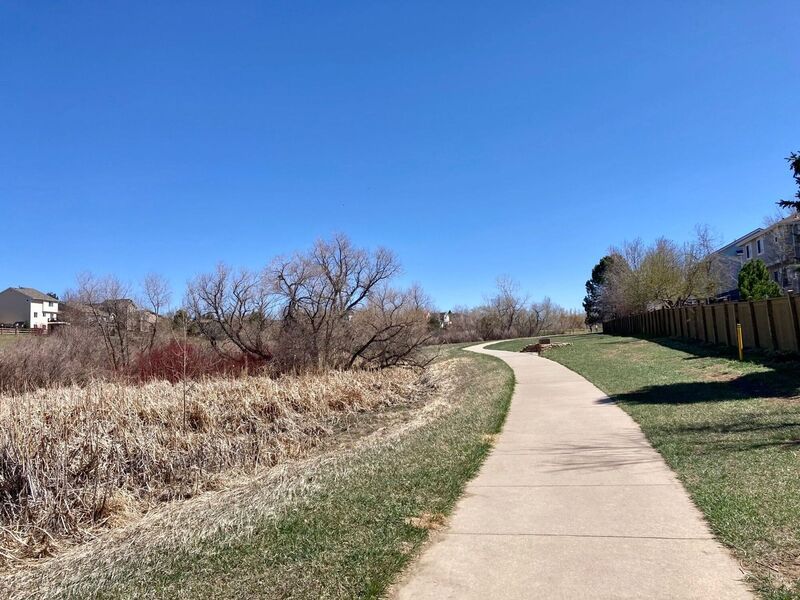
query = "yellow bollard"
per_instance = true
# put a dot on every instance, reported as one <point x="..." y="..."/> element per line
<point x="739" y="339"/>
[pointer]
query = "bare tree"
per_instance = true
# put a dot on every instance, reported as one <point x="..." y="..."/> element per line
<point x="105" y="305"/>
<point x="391" y="329"/>
<point x="704" y="270"/>
<point x="508" y="305"/>
<point x="157" y="295"/>
<point x="237" y="307"/>
<point x="329" y="307"/>
<point x="538" y="317"/>
<point x="101" y="303"/>
<point x="321" y="290"/>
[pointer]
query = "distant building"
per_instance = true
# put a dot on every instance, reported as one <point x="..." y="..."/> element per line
<point x="118" y="312"/>
<point x="27" y="307"/>
<point x="778" y="246"/>
<point x="440" y="320"/>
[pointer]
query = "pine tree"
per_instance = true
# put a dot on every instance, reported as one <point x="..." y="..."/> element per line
<point x="592" y="302"/>
<point x="755" y="282"/>
<point x="794" y="165"/>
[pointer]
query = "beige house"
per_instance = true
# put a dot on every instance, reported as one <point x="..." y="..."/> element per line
<point x="117" y="312"/>
<point x="778" y="246"/>
<point x="27" y="307"/>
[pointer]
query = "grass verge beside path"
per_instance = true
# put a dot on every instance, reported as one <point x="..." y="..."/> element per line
<point x="730" y="430"/>
<point x="518" y="344"/>
<point x="342" y="525"/>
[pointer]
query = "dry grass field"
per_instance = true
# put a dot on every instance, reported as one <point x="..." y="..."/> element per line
<point x="77" y="459"/>
<point x="302" y="487"/>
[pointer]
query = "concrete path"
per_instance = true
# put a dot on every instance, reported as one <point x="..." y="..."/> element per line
<point x="572" y="503"/>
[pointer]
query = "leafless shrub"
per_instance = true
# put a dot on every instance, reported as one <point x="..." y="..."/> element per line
<point x="70" y="356"/>
<point x="506" y="314"/>
<point x="124" y="324"/>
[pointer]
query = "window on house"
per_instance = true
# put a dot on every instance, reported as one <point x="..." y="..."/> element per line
<point x="777" y="276"/>
<point x="36" y="315"/>
<point x="747" y="251"/>
<point x="759" y="246"/>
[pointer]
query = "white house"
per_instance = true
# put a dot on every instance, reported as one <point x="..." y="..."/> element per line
<point x="30" y="307"/>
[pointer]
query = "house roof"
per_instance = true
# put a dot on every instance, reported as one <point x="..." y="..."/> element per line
<point x="33" y="294"/>
<point x="739" y="241"/>
<point x="119" y="304"/>
<point x="785" y="221"/>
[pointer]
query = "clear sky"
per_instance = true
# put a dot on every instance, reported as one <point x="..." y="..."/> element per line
<point x="474" y="139"/>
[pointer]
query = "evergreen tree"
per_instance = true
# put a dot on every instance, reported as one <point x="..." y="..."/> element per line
<point x="755" y="282"/>
<point x="592" y="302"/>
<point x="794" y="165"/>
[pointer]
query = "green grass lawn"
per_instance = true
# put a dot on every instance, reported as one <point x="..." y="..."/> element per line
<point x="342" y="529"/>
<point x="518" y="344"/>
<point x="730" y="430"/>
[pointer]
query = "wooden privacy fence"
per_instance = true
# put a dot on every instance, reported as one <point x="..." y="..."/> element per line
<point x="767" y="324"/>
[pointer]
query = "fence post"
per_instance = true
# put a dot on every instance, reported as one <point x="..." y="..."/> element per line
<point x="740" y="341"/>
<point x="699" y="321"/>
<point x="773" y="336"/>
<point x="714" y="322"/>
<point x="756" y="337"/>
<point x="795" y="321"/>
<point x="727" y="325"/>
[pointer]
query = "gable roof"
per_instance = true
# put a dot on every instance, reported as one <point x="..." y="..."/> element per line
<point x="741" y="240"/>
<point x="785" y="221"/>
<point x="33" y="294"/>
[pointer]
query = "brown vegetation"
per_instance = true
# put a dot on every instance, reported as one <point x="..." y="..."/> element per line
<point x="77" y="356"/>
<point x="330" y="307"/>
<point x="509" y="313"/>
<point x="66" y="358"/>
<point x="73" y="459"/>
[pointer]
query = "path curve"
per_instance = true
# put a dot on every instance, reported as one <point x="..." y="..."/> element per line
<point x="573" y="502"/>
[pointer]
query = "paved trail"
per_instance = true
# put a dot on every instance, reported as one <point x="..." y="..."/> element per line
<point x="572" y="503"/>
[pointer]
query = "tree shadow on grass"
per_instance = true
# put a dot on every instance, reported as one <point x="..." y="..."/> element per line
<point x="771" y="384"/>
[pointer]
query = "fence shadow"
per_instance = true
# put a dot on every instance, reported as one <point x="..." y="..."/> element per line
<point x="753" y="385"/>
<point x="698" y="350"/>
<point x="780" y="380"/>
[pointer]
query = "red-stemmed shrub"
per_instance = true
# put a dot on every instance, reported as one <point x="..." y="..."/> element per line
<point x="176" y="359"/>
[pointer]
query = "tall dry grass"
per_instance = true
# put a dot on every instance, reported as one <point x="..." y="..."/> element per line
<point x="68" y="357"/>
<point x="76" y="458"/>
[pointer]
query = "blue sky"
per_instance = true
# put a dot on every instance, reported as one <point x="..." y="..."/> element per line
<point x="474" y="139"/>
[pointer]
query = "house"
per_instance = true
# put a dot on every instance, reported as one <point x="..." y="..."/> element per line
<point x="128" y="314"/>
<point x="81" y="313"/>
<point x="778" y="246"/>
<point x="116" y="312"/>
<point x="439" y="320"/>
<point x="27" y="307"/>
